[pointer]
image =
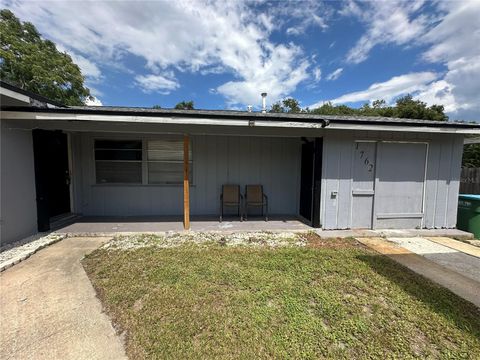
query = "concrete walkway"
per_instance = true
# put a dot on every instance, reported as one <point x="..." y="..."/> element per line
<point x="456" y="271"/>
<point x="455" y="260"/>
<point x="457" y="245"/>
<point x="49" y="309"/>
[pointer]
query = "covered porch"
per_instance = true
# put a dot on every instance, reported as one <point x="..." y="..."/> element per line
<point x="168" y="179"/>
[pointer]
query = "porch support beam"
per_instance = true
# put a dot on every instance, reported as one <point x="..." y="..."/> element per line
<point x="186" y="183"/>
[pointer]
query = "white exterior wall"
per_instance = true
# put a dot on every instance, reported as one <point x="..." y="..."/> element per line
<point x="18" y="212"/>
<point x="441" y="185"/>
<point x="273" y="162"/>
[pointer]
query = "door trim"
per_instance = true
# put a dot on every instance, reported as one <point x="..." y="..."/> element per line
<point x="317" y="182"/>
<point x="400" y="216"/>
<point x="363" y="192"/>
<point x="70" y="171"/>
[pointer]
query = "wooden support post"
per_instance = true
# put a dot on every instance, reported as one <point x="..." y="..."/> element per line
<point x="186" y="184"/>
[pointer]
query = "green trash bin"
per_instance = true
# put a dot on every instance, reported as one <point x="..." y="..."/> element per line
<point x="468" y="217"/>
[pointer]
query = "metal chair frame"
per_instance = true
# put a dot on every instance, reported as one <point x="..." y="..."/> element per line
<point x="237" y="204"/>
<point x="264" y="203"/>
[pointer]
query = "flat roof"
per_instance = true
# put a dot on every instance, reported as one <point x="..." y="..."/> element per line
<point x="325" y="120"/>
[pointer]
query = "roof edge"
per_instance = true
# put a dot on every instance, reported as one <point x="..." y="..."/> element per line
<point x="30" y="94"/>
<point x="227" y="114"/>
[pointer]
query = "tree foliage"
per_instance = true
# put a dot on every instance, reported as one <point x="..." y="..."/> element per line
<point x="35" y="64"/>
<point x="185" y="105"/>
<point x="156" y="107"/>
<point x="405" y="107"/>
<point x="288" y="105"/>
<point x="471" y="156"/>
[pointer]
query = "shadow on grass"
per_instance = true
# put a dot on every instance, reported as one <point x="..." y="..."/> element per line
<point x="465" y="315"/>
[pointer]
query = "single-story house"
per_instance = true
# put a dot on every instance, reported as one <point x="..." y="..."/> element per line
<point x="334" y="172"/>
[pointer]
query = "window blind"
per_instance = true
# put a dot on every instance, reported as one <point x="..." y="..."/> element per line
<point x="165" y="161"/>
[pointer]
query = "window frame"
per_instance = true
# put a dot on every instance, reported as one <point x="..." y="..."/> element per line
<point x="144" y="162"/>
<point x="95" y="160"/>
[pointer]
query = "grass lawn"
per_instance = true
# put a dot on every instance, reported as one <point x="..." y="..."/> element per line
<point x="326" y="299"/>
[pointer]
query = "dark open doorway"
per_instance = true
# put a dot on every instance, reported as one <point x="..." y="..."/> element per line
<point x="311" y="180"/>
<point x="52" y="176"/>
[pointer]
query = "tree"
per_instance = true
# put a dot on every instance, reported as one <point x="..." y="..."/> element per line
<point x="185" y="105"/>
<point x="329" y="109"/>
<point x="35" y="64"/>
<point x="156" y="107"/>
<point x="471" y="156"/>
<point x="288" y="105"/>
<point x="405" y="107"/>
<point x="378" y="104"/>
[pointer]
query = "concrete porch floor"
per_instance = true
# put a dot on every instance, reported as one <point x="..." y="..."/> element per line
<point x="146" y="224"/>
<point x="86" y="226"/>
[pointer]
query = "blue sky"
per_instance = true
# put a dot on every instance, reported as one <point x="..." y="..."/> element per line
<point x="223" y="54"/>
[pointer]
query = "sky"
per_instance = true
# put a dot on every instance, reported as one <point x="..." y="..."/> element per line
<point x="224" y="54"/>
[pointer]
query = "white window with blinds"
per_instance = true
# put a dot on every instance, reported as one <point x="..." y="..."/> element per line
<point x="165" y="161"/>
<point x="148" y="161"/>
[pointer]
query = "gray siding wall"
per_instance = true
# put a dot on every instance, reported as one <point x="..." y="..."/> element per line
<point x="18" y="212"/>
<point x="441" y="183"/>
<point x="273" y="162"/>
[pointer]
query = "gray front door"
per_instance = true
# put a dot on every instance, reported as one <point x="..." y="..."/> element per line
<point x="400" y="185"/>
<point x="363" y="184"/>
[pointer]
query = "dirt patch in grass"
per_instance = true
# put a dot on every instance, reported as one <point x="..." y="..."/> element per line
<point x="315" y="241"/>
<point x="331" y="299"/>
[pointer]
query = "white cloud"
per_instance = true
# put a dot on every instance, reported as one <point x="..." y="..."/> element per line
<point x="278" y="76"/>
<point x="208" y="36"/>
<point x="334" y="75"/>
<point x="93" y="102"/>
<point x="300" y="17"/>
<point x="458" y="90"/>
<point x="387" y="22"/>
<point x="438" y="92"/>
<point x="450" y="35"/>
<point x="455" y="41"/>
<point x="157" y="83"/>
<point x="457" y="35"/>
<point x="388" y="90"/>
<point x="317" y="74"/>
<point x="87" y="67"/>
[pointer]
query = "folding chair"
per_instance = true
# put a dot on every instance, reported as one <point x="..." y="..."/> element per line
<point x="255" y="197"/>
<point x="231" y="197"/>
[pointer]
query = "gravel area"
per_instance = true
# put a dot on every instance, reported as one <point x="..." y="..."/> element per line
<point x="21" y="250"/>
<point x="173" y="239"/>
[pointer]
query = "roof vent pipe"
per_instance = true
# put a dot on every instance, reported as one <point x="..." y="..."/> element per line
<point x="264" y="102"/>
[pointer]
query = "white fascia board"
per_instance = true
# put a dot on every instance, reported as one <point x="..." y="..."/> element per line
<point x="402" y="128"/>
<point x="15" y="95"/>
<point x="225" y="122"/>
<point x="152" y="119"/>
